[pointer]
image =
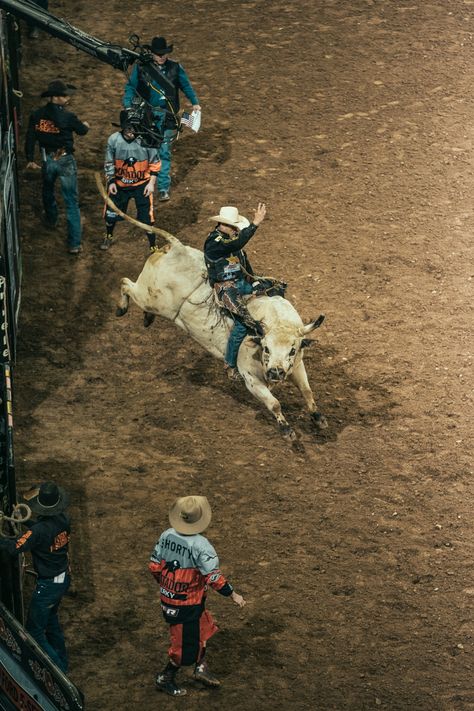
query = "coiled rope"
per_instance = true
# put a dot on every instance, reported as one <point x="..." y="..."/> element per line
<point x="20" y="514"/>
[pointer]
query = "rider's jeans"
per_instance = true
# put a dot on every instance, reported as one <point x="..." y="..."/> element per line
<point x="66" y="170"/>
<point x="239" y="330"/>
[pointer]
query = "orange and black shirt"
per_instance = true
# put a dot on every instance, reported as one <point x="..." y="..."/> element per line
<point x="52" y="126"/>
<point x="185" y="567"/>
<point x="47" y="540"/>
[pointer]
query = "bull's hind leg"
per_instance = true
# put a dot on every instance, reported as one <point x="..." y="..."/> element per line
<point x="300" y="379"/>
<point x="262" y="393"/>
<point x="125" y="289"/>
<point x="148" y="318"/>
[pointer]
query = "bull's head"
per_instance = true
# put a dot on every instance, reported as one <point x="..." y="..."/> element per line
<point x="281" y="346"/>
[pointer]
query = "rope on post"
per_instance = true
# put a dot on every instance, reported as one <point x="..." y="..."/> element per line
<point x="20" y="514"/>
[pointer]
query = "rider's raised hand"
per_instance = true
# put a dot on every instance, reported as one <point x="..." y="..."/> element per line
<point x="260" y="213"/>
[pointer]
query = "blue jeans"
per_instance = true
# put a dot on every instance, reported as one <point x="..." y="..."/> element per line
<point x="164" y="176"/>
<point x="43" y="622"/>
<point x="66" y="170"/>
<point x="239" y="330"/>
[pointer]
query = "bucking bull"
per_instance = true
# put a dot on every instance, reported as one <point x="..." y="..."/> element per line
<point x="173" y="284"/>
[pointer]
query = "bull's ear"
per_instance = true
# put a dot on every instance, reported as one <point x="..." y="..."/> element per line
<point x="257" y="340"/>
<point x="313" y="324"/>
<point x="307" y="342"/>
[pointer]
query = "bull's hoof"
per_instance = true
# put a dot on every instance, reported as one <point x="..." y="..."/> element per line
<point x="319" y="420"/>
<point x="287" y="432"/>
<point x="148" y="319"/>
<point x="120" y="311"/>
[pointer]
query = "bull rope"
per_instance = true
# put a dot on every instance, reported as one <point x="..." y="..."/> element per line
<point x="148" y="228"/>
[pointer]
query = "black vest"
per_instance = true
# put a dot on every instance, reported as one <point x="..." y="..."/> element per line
<point x="225" y="268"/>
<point x="172" y="73"/>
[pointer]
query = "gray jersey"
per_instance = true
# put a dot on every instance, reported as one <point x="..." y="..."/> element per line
<point x="184" y="567"/>
<point x="188" y="551"/>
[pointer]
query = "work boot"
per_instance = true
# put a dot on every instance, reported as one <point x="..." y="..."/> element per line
<point x="202" y="674"/>
<point x="163" y="195"/>
<point x="106" y="242"/>
<point x="166" y="681"/>
<point x="232" y="373"/>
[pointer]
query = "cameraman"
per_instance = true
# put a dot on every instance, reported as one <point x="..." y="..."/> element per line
<point x="130" y="170"/>
<point x="165" y="103"/>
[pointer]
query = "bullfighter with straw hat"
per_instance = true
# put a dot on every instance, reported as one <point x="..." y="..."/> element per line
<point x="184" y="564"/>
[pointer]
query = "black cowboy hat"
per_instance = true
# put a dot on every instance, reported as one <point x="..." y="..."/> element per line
<point x="58" y="87"/>
<point x="160" y="46"/>
<point x="48" y="499"/>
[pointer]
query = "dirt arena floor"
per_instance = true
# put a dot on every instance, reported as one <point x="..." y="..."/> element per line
<point x="354" y="121"/>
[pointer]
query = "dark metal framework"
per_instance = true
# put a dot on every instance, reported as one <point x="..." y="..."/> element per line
<point x="10" y="289"/>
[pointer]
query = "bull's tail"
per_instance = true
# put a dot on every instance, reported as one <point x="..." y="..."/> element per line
<point x="171" y="239"/>
<point x="125" y="289"/>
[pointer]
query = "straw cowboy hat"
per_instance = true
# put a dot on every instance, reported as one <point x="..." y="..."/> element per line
<point x="230" y="216"/>
<point x="190" y="514"/>
<point x="59" y="88"/>
<point x="48" y="499"/>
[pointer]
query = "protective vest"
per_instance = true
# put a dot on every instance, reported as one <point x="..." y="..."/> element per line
<point x="225" y="268"/>
<point x="156" y="97"/>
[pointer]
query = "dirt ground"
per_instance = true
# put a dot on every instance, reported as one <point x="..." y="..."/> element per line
<point x="354" y="121"/>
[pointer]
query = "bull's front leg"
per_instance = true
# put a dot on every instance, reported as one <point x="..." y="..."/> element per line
<point x="258" y="388"/>
<point x="300" y="379"/>
<point x="125" y="288"/>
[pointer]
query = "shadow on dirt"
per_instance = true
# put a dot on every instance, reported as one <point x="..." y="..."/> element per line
<point x="54" y="323"/>
<point x="210" y="144"/>
<point x="253" y="644"/>
<point x="336" y="393"/>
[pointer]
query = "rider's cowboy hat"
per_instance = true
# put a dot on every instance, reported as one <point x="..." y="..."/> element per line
<point x="230" y="216"/>
<point x="190" y="514"/>
<point x="48" y="499"/>
<point x="57" y="87"/>
<point x="160" y="46"/>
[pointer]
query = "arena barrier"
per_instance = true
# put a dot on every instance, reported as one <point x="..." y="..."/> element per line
<point x="28" y="678"/>
<point x="10" y="291"/>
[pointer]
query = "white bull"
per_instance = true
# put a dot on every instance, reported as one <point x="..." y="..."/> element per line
<point x="173" y="284"/>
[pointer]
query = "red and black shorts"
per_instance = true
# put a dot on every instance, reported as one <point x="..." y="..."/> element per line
<point x="189" y="639"/>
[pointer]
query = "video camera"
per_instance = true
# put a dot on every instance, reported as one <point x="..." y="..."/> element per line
<point x="139" y="117"/>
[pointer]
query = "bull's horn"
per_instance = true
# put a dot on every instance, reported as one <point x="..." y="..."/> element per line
<point x="148" y="228"/>
<point x="313" y="324"/>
